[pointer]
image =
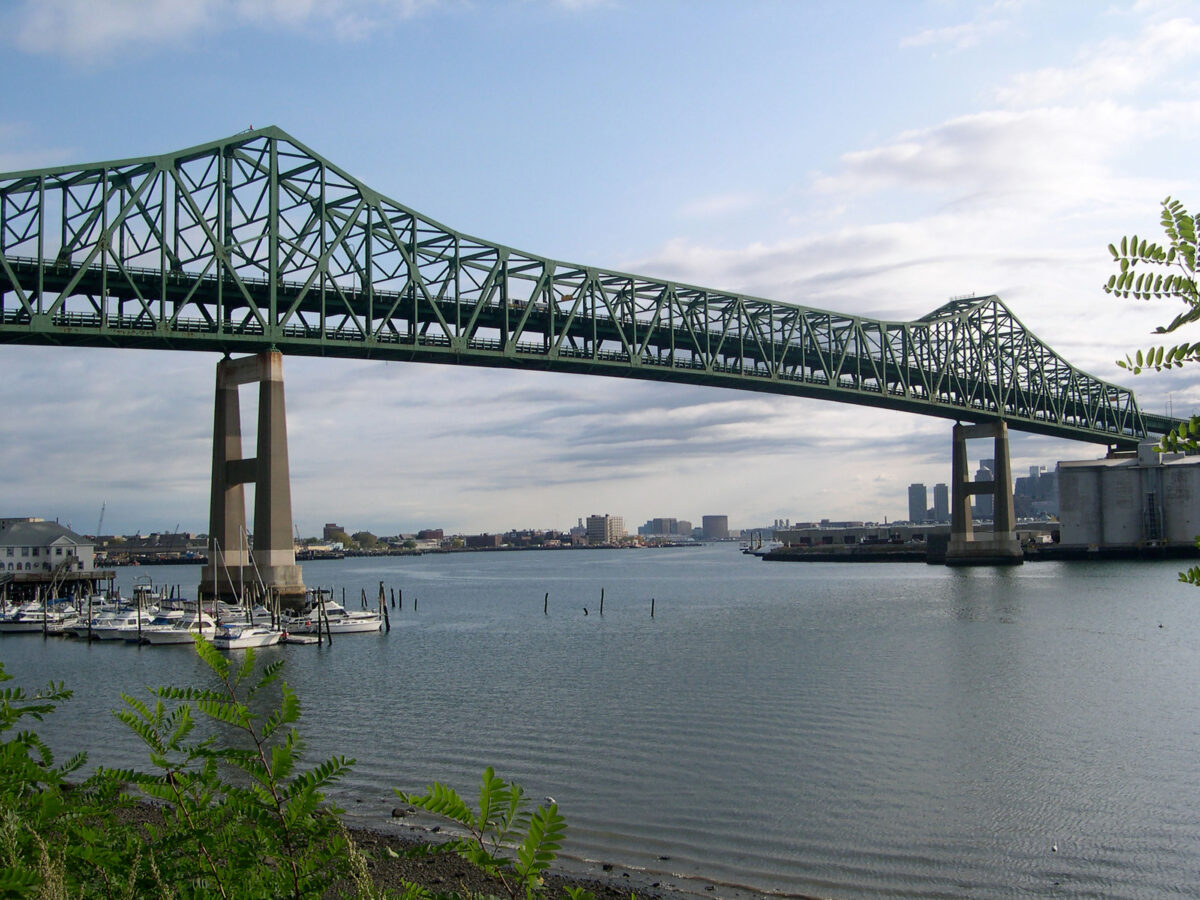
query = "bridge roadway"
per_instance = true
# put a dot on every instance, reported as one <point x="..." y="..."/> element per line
<point x="356" y="275"/>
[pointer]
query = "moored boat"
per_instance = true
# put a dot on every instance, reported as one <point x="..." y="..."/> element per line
<point x="341" y="620"/>
<point x="120" y="624"/>
<point x="239" y="637"/>
<point x="181" y="631"/>
<point x="32" y="619"/>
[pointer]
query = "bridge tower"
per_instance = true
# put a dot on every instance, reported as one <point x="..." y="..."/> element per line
<point x="232" y="565"/>
<point x="1001" y="546"/>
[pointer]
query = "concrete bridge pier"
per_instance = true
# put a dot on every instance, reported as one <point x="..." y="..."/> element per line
<point x="1000" y="547"/>
<point x="271" y="559"/>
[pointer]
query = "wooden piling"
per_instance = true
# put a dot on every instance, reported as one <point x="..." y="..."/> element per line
<point x="393" y="598"/>
<point x="364" y="598"/>
<point x="546" y="604"/>
<point x="652" y="607"/>
<point x="400" y="594"/>
<point x="601" y="601"/>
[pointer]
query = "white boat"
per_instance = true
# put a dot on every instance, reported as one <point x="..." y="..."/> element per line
<point x="121" y="624"/>
<point x="181" y="631"/>
<point x="239" y="637"/>
<point x="235" y="614"/>
<point x="32" y="619"/>
<point x="341" y="620"/>
<point x="165" y="618"/>
<point x="99" y="617"/>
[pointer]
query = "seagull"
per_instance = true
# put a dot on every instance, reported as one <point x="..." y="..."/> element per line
<point x="1054" y="848"/>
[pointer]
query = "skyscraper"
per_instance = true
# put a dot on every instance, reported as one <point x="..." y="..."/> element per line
<point x="941" y="503"/>
<point x="918" y="502"/>
<point x="984" y="503"/>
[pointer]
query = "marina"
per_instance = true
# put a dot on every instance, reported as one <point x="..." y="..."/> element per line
<point x="157" y="617"/>
<point x="833" y="730"/>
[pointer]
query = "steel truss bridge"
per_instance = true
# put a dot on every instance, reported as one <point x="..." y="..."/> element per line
<point x="256" y="243"/>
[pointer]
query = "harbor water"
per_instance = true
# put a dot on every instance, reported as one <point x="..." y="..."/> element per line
<point x="834" y="730"/>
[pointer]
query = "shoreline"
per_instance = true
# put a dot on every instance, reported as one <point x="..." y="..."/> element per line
<point x="608" y="880"/>
<point x="387" y="849"/>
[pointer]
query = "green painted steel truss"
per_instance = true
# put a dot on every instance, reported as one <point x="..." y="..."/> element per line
<point x="256" y="242"/>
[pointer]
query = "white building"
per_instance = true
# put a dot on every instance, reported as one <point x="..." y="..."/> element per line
<point x="36" y="546"/>
<point x="1130" y="500"/>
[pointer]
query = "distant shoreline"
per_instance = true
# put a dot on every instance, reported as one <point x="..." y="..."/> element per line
<point x="347" y="554"/>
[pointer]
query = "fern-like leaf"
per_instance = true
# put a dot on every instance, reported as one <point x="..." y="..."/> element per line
<point x="542" y="843"/>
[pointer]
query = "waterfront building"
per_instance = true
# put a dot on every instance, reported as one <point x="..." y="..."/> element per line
<point x="833" y="534"/>
<point x="35" y="545"/>
<point x="941" y="503"/>
<point x="715" y="528"/>
<point x="482" y="541"/>
<point x="918" y="502"/>
<point x="1130" y="500"/>
<point x="605" y="529"/>
<point x="666" y="527"/>
<point x="331" y="531"/>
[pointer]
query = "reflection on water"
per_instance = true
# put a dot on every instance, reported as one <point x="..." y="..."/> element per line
<point x="845" y="730"/>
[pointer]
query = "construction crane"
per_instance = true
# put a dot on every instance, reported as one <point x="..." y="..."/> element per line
<point x="100" y="524"/>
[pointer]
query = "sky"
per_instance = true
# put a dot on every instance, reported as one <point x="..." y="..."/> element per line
<point x="873" y="158"/>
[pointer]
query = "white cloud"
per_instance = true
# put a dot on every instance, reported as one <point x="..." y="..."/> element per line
<point x="1060" y="156"/>
<point x="1115" y="67"/>
<point x="989" y="20"/>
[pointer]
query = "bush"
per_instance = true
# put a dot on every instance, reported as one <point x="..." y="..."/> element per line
<point x="238" y="816"/>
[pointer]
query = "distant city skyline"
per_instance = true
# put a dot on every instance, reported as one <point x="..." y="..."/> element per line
<point x="993" y="148"/>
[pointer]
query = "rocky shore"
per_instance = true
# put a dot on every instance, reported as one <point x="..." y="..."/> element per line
<point x="390" y="865"/>
<point x="391" y="861"/>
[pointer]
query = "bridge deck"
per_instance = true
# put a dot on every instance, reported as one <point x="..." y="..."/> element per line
<point x="255" y="242"/>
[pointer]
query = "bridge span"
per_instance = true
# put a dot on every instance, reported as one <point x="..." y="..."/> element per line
<point x="256" y="244"/>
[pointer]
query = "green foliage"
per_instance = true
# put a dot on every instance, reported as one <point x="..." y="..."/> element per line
<point x="1178" y="257"/>
<point x="237" y="814"/>
<point x="241" y="818"/>
<point x="340" y="537"/>
<point x="1177" y="283"/>
<point x="49" y="828"/>
<point x="365" y="539"/>
<point x="503" y="838"/>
